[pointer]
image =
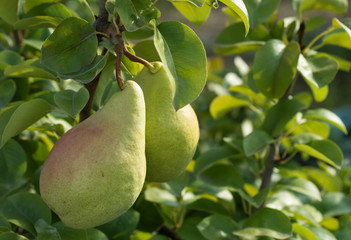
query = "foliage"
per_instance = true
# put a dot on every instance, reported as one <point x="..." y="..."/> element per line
<point x="269" y="163"/>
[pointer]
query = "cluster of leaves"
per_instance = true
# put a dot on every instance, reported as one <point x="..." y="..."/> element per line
<point x="266" y="167"/>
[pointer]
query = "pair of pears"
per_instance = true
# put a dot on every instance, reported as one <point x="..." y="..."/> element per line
<point x="96" y="170"/>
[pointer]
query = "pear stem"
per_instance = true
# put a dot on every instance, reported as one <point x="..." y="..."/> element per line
<point x="137" y="59"/>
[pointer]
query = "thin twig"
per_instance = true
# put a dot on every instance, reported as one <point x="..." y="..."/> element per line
<point x="119" y="52"/>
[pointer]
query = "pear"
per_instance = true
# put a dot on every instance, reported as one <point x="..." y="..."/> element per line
<point x="96" y="170"/>
<point x="171" y="136"/>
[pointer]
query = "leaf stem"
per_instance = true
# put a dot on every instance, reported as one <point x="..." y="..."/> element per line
<point x="319" y="36"/>
<point x="137" y="59"/>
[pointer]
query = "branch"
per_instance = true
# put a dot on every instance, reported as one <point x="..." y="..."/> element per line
<point x="169" y="232"/>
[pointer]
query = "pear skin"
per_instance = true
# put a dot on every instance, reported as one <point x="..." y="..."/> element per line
<point x="96" y="170"/>
<point x="171" y="136"/>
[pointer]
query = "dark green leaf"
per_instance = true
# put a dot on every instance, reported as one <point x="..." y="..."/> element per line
<point x="327" y="116"/>
<point x="184" y="58"/>
<point x="11" y="236"/>
<point x="88" y="72"/>
<point x="136" y="13"/>
<point x="72" y="102"/>
<point x="69" y="54"/>
<point x="29" y="4"/>
<point x="255" y="142"/>
<point x="221" y="105"/>
<point x="25" y="209"/>
<point x="274" y="67"/>
<point x="15" y="119"/>
<point x="45" y="231"/>
<point x="7" y="91"/>
<point x="68" y="233"/>
<point x="318" y="70"/>
<point x="9" y="58"/>
<point x="324" y="150"/>
<point x="279" y="115"/>
<point x="14" y="158"/>
<point x="266" y="222"/>
<point x="218" y="227"/>
<point x="146" y="50"/>
<point x="49" y="9"/>
<point x="189" y="229"/>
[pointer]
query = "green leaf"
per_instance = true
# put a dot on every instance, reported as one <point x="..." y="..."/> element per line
<point x="9" y="58"/>
<point x="305" y="213"/>
<point x="318" y="70"/>
<point x="45" y="231"/>
<point x="324" y="150"/>
<point x="256" y="141"/>
<point x="123" y="226"/>
<point x="327" y="116"/>
<point x="196" y="15"/>
<point x="260" y="11"/>
<point x="69" y="54"/>
<point x="302" y="186"/>
<point x="304" y="232"/>
<point x="136" y="13"/>
<point x="221" y="105"/>
<point x="313" y="127"/>
<point x="49" y="9"/>
<point x="15" y="119"/>
<point x="218" y="227"/>
<point x="38" y="22"/>
<point x="146" y="50"/>
<point x="7" y="91"/>
<point x="189" y="229"/>
<point x="274" y="67"/>
<point x="25" y="209"/>
<point x="337" y="6"/>
<point x="25" y="71"/>
<point x="279" y="115"/>
<point x="184" y="58"/>
<point x="212" y="156"/>
<point x="338" y="37"/>
<point x="72" y="102"/>
<point x="239" y="8"/>
<point x="68" y="233"/>
<point x="266" y="222"/>
<point x="322" y="233"/>
<point x="323" y="179"/>
<point x="335" y="204"/>
<point x="339" y="24"/>
<point x="206" y="205"/>
<point x="158" y="195"/>
<point x="8" y="10"/>
<point x="231" y="40"/>
<point x="29" y="4"/>
<point x="11" y="236"/>
<point x="14" y="158"/>
<point x="198" y="3"/>
<point x="88" y="72"/>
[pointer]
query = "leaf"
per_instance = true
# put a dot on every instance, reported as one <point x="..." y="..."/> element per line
<point x="324" y="150"/>
<point x="335" y="204"/>
<point x="8" y="10"/>
<point x="14" y="158"/>
<point x="218" y="227"/>
<point x="68" y="233"/>
<point x="146" y="50"/>
<point x="29" y="4"/>
<point x="184" y="58"/>
<point x="260" y="11"/>
<point x="318" y="70"/>
<point x="189" y="229"/>
<point x="9" y="58"/>
<point x="221" y="105"/>
<point x="198" y="3"/>
<point x="279" y="115"/>
<point x="304" y="232"/>
<point x="7" y="91"/>
<point x="49" y="9"/>
<point x="45" y="231"/>
<point x="66" y="55"/>
<point x="212" y="156"/>
<point x="122" y="226"/>
<point x="322" y="233"/>
<point x="231" y="40"/>
<point x="323" y="179"/>
<point x="88" y="72"/>
<point x="339" y="24"/>
<point x="302" y="186"/>
<point x="136" y="13"/>
<point x="327" y="116"/>
<point x="239" y="8"/>
<point x="266" y="222"/>
<point x="337" y="6"/>
<point x="38" y="22"/>
<point x="274" y="67"/>
<point x="25" y="71"/>
<point x="72" y="102"/>
<point x="196" y="15"/>
<point x="158" y="195"/>
<point x="25" y="209"/>
<point x="256" y="141"/>
<point x="15" y="119"/>
<point x="305" y="213"/>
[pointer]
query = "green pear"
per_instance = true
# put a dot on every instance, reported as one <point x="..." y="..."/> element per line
<point x="96" y="170"/>
<point x="171" y="136"/>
